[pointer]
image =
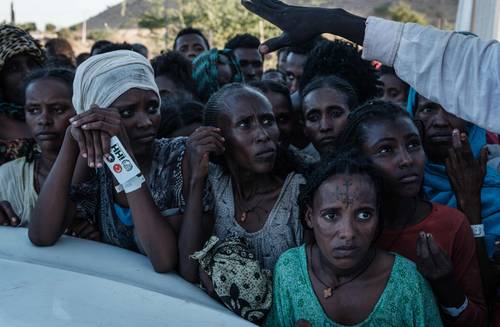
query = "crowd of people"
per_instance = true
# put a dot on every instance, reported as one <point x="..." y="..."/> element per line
<point x="356" y="183"/>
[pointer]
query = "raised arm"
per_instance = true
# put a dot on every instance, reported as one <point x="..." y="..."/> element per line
<point x="462" y="73"/>
<point x="196" y="227"/>
<point x="54" y="210"/>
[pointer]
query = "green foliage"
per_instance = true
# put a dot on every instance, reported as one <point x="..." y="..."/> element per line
<point x="218" y="19"/>
<point x="65" y="33"/>
<point x="151" y="21"/>
<point x="97" y="35"/>
<point x="50" y="27"/>
<point x="402" y="12"/>
<point x="28" y="27"/>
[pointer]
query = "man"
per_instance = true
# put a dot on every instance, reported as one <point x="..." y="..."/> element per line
<point x="191" y="42"/>
<point x="294" y="68"/>
<point x="246" y="49"/>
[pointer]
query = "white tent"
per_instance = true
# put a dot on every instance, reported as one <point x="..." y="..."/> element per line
<point x="481" y="17"/>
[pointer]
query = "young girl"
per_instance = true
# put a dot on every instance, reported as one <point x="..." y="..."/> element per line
<point x="253" y="188"/>
<point x="326" y="102"/>
<point x="48" y="109"/>
<point x="341" y="278"/>
<point x="115" y="95"/>
<point x="436" y="237"/>
<point x="213" y="69"/>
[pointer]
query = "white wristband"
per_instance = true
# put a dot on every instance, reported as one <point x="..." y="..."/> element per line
<point x="477" y="230"/>
<point x="131" y="185"/>
<point x="455" y="312"/>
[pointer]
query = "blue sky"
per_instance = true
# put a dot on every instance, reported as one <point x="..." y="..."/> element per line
<point x="62" y="13"/>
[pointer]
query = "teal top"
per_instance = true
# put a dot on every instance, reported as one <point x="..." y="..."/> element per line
<point x="407" y="299"/>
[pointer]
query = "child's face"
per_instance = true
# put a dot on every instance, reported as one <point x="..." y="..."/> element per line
<point x="396" y="151"/>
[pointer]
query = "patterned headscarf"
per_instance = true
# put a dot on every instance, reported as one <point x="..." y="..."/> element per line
<point x="205" y="71"/>
<point x="14" y="41"/>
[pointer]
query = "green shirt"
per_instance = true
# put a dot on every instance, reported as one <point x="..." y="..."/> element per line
<point x="407" y="299"/>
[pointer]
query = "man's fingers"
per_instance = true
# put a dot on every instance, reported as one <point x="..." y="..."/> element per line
<point x="261" y="8"/>
<point x="275" y="43"/>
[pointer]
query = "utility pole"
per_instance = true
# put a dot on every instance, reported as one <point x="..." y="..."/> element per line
<point x="84" y="32"/>
<point x="12" y="14"/>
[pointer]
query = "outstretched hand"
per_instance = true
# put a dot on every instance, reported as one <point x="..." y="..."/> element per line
<point x="302" y="24"/>
<point x="466" y="175"/>
<point x="432" y="262"/>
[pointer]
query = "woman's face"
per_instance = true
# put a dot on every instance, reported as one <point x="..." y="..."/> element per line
<point x="439" y="126"/>
<point x="225" y="74"/>
<point x="325" y="117"/>
<point x="250" y="131"/>
<point x="396" y="151"/>
<point x="13" y="74"/>
<point x="344" y="219"/>
<point x="395" y="90"/>
<point x="283" y="113"/>
<point x="140" y="113"/>
<point x="48" y="109"/>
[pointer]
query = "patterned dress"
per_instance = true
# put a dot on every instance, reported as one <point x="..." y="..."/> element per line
<point x="282" y="230"/>
<point x="407" y="299"/>
<point x="94" y="199"/>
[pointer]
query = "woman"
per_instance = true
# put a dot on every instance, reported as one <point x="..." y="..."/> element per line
<point x="326" y="102"/>
<point x="341" y="278"/>
<point x="19" y="55"/>
<point x="471" y="187"/>
<point x="253" y="186"/>
<point x="48" y="109"/>
<point x="395" y="89"/>
<point x="436" y="237"/>
<point x="173" y="75"/>
<point x="114" y="95"/>
<point x="279" y="96"/>
<point x="213" y="69"/>
<point x="179" y="118"/>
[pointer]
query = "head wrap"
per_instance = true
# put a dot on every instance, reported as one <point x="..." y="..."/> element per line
<point x="102" y="78"/>
<point x="14" y="41"/>
<point x="437" y="187"/>
<point x="205" y="71"/>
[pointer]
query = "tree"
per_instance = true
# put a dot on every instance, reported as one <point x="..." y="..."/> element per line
<point x="50" y="27"/>
<point x="154" y="18"/>
<point x="28" y="27"/>
<point x="219" y="19"/>
<point x="403" y="12"/>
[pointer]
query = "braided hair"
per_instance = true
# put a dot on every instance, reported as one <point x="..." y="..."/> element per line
<point x="353" y="135"/>
<point x="343" y="60"/>
<point x="350" y="162"/>
<point x="335" y="83"/>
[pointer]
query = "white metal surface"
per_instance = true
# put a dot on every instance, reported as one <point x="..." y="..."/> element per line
<point x="85" y="283"/>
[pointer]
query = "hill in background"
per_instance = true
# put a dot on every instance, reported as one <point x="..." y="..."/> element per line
<point x="439" y="12"/>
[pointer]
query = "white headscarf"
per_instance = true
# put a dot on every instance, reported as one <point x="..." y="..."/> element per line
<point x="101" y="79"/>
